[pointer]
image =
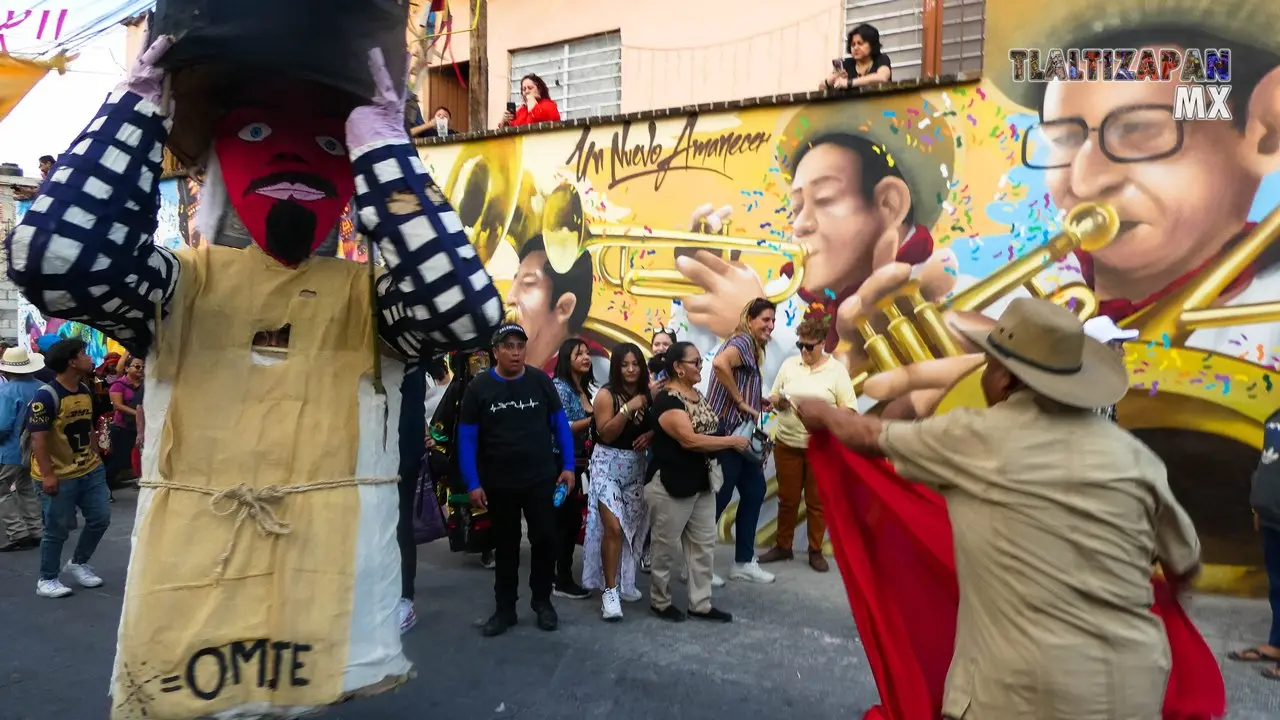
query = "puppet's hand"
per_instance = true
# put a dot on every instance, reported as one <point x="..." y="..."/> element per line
<point x="383" y="119"/>
<point x="145" y="78"/>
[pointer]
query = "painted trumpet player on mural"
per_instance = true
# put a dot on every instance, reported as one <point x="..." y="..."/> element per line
<point x="264" y="580"/>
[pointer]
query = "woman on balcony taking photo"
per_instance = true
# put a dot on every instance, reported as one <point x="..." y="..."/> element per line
<point x="537" y="105"/>
<point x="866" y="64"/>
<point x="618" y="519"/>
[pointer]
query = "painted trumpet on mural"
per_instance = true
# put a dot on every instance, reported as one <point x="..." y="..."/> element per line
<point x="1088" y="227"/>
<point x="1188" y="309"/>
<point x="566" y="234"/>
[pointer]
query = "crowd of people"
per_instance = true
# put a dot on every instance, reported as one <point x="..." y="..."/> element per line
<point x="637" y="471"/>
<point x="69" y="434"/>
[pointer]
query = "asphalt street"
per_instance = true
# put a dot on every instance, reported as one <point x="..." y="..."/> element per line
<point x="792" y="650"/>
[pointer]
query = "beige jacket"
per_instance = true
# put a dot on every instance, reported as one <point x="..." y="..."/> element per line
<point x="1057" y="516"/>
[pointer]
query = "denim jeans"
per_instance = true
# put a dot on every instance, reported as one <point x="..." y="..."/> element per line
<point x="1271" y="558"/>
<point x="747" y="476"/>
<point x="87" y="492"/>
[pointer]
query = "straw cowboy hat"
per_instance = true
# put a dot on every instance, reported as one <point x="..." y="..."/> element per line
<point x="1045" y="346"/>
<point x="1232" y="24"/>
<point x="886" y="120"/>
<point x="19" y="362"/>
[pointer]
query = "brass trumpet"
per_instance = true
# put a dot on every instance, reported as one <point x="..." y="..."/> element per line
<point x="1089" y="226"/>
<point x="566" y="234"/>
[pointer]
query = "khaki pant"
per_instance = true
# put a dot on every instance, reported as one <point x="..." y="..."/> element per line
<point x="795" y="475"/>
<point x="685" y="525"/>
<point x="19" y="506"/>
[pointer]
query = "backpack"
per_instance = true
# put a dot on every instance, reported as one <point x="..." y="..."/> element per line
<point x="24" y="439"/>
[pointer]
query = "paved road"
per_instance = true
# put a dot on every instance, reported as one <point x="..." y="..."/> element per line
<point x="792" y="650"/>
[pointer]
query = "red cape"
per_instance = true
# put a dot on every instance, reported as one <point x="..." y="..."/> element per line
<point x="893" y="544"/>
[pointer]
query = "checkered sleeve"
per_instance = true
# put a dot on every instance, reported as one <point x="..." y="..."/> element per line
<point x="84" y="249"/>
<point x="436" y="294"/>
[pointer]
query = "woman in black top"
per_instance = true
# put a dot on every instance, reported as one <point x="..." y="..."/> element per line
<point x="866" y="64"/>
<point x="681" y="499"/>
<point x="617" y="517"/>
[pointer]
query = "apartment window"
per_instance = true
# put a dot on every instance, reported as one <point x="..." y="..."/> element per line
<point x="900" y="23"/>
<point x="962" y="30"/>
<point x="584" y="75"/>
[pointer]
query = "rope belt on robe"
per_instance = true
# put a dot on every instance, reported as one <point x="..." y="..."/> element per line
<point x="247" y="503"/>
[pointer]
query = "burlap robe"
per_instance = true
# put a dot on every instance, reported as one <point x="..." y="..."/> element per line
<point x="267" y="626"/>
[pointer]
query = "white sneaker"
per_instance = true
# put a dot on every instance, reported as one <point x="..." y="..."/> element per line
<point x="636" y="596"/>
<point x="716" y="581"/>
<point x="83" y="575"/>
<point x="610" y="608"/>
<point x="406" y="615"/>
<point x="52" y="589"/>
<point x="751" y="572"/>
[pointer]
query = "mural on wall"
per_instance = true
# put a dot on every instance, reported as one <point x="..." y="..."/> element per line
<point x="612" y="231"/>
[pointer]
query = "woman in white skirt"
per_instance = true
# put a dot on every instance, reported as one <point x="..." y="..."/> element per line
<point x="617" y="517"/>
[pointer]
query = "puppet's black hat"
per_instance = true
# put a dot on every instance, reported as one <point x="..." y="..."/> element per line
<point x="225" y="42"/>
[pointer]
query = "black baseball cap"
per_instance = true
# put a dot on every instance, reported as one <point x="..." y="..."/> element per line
<point x="507" y="330"/>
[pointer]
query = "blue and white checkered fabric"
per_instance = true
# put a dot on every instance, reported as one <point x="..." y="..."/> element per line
<point x="436" y="284"/>
<point x="84" y="250"/>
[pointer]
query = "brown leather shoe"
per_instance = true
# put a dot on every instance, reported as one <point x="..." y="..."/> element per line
<point x="818" y="562"/>
<point x="777" y="554"/>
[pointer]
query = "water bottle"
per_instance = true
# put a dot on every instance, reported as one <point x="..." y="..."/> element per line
<point x="562" y="491"/>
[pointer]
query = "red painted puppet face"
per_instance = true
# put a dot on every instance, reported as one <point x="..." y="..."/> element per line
<point x="287" y="174"/>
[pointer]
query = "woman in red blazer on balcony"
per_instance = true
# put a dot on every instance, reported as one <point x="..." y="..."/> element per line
<point x="538" y="105"/>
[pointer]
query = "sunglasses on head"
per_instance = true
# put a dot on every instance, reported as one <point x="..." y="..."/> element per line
<point x="807" y="346"/>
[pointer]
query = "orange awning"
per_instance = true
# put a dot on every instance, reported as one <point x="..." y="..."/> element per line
<point x="18" y="76"/>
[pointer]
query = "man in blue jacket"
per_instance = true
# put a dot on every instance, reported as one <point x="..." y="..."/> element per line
<point x="509" y="416"/>
<point x="19" y="505"/>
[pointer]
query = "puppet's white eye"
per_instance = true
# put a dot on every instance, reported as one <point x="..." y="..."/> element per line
<point x="255" y="132"/>
<point x="331" y="145"/>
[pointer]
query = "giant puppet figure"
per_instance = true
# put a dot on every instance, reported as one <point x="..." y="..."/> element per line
<point x="265" y="573"/>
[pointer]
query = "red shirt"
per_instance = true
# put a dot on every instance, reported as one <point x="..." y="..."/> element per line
<point x="544" y="111"/>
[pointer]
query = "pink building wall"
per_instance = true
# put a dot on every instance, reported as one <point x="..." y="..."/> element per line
<point x="678" y="52"/>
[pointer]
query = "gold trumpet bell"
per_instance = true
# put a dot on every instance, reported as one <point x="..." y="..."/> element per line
<point x="482" y="188"/>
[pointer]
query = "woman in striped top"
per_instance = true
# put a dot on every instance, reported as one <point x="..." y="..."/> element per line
<point x="736" y="398"/>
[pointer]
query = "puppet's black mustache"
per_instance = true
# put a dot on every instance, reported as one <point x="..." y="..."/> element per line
<point x="296" y="177"/>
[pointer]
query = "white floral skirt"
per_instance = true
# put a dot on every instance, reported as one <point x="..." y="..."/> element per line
<point x="616" y="482"/>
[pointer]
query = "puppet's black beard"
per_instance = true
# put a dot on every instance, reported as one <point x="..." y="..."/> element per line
<point x="291" y="228"/>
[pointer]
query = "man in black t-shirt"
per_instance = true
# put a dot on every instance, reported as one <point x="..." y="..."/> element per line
<point x="511" y="424"/>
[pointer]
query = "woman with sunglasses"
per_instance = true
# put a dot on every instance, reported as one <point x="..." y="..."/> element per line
<point x="810" y="375"/>
<point x="679" y="493"/>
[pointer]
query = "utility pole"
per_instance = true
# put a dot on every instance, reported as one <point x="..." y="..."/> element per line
<point x="478" y="70"/>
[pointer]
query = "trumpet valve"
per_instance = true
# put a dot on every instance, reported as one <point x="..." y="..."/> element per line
<point x="904" y="334"/>
<point x="931" y="322"/>
<point x="877" y="347"/>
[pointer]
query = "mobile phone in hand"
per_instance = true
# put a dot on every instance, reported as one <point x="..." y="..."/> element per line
<point x="511" y="108"/>
<point x="837" y="65"/>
